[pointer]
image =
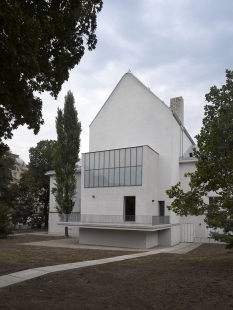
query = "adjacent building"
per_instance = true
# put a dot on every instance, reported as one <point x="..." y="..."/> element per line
<point x="19" y="167"/>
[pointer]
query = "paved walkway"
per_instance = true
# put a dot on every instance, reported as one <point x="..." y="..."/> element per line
<point x="24" y="275"/>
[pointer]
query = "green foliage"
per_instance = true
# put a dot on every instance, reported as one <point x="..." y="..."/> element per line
<point x="26" y="202"/>
<point x="214" y="168"/>
<point x="66" y="155"/>
<point x="6" y="165"/>
<point x="40" y="42"/>
<point x="41" y="158"/>
<point x="5" y="228"/>
<point x="32" y="192"/>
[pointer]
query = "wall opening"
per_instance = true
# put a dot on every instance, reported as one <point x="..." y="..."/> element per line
<point x="129" y="208"/>
<point x="161" y="208"/>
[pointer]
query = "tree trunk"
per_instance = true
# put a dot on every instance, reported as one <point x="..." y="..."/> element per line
<point x="66" y="228"/>
<point x="66" y="231"/>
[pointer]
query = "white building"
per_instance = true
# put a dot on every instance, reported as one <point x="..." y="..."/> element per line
<point x="139" y="148"/>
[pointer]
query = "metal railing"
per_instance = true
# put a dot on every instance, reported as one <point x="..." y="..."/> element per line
<point x="159" y="220"/>
<point x="115" y="219"/>
<point x="72" y="217"/>
<point x="130" y="218"/>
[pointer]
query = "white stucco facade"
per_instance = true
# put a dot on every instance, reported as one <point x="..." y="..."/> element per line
<point x="112" y="213"/>
<point x="55" y="226"/>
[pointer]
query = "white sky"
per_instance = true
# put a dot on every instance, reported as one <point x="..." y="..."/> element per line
<point x="176" y="48"/>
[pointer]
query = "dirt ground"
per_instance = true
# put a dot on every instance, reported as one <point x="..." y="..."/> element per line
<point x="14" y="256"/>
<point x="200" y="279"/>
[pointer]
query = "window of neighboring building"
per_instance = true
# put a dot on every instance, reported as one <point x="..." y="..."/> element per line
<point x="161" y="208"/>
<point x="213" y="200"/>
<point x="121" y="167"/>
<point x="129" y="208"/>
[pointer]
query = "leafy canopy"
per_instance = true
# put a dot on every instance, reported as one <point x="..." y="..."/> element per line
<point x="6" y="165"/>
<point x="5" y="227"/>
<point x="66" y="155"/>
<point x="40" y="41"/>
<point x="33" y="189"/>
<point x="214" y="168"/>
<point x="26" y="203"/>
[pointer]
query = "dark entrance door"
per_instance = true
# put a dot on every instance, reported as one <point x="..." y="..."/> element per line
<point x="130" y="208"/>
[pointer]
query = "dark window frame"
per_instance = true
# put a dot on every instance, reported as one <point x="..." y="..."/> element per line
<point x="139" y="149"/>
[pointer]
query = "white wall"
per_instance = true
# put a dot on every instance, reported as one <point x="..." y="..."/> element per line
<point x="53" y="215"/>
<point x="151" y="163"/>
<point x="52" y="206"/>
<point x="54" y="228"/>
<point x="110" y="200"/>
<point x="134" y="116"/>
<point x="119" y="238"/>
<point x="201" y="231"/>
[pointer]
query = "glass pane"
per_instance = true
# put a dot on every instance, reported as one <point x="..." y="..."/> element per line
<point x="122" y="176"/>
<point x="133" y="175"/>
<point x="106" y="159"/>
<point x="96" y="178"/>
<point x="101" y="177"/>
<point x="127" y="158"/>
<point x="139" y="176"/>
<point x="122" y="158"/>
<point x="116" y="177"/>
<point x="105" y="177"/>
<point x="133" y="156"/>
<point x="101" y="164"/>
<point x="97" y="160"/>
<point x="92" y="156"/>
<point x="91" y="178"/>
<point x="111" y="177"/>
<point x="87" y="161"/>
<point x="117" y="159"/>
<point x="86" y="179"/>
<point x="127" y="176"/>
<point x="111" y="165"/>
<point x="139" y="156"/>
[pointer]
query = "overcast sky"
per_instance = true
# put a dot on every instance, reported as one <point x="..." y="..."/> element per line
<point x="176" y="48"/>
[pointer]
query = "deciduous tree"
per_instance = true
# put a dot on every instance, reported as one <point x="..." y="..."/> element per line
<point x="31" y="193"/>
<point x="40" y="41"/>
<point x="41" y="158"/>
<point x="6" y="165"/>
<point x="66" y="156"/>
<point x="214" y="168"/>
<point x="26" y="203"/>
<point x="5" y="228"/>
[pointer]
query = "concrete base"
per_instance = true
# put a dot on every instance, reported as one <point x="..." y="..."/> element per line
<point x="118" y="238"/>
<point x="169" y="237"/>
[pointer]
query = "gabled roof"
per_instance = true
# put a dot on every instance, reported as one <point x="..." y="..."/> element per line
<point x="188" y="156"/>
<point x="148" y="89"/>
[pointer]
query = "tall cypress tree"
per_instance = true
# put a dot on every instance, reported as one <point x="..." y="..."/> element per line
<point x="66" y="156"/>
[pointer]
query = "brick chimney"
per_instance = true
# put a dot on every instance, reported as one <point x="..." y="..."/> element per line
<point x="177" y="105"/>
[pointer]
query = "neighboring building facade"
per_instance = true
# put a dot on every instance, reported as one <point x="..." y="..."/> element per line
<point x="137" y="151"/>
<point x="19" y="167"/>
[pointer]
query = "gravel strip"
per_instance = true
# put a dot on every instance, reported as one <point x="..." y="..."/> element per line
<point x="73" y="243"/>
